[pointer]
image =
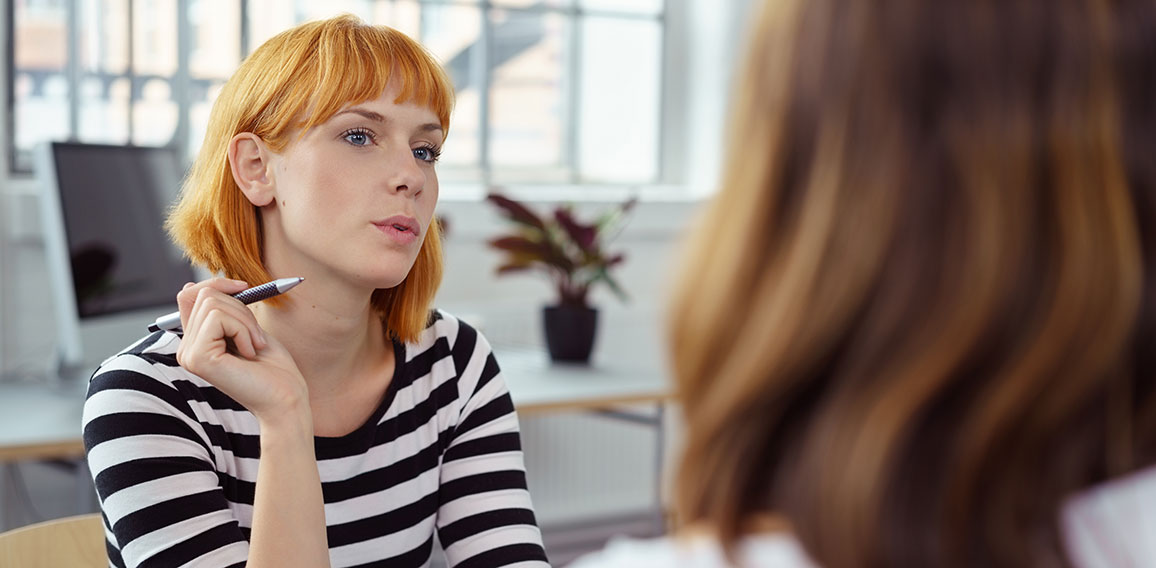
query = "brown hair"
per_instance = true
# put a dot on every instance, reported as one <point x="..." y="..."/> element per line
<point x="297" y="80"/>
<point x="916" y="316"/>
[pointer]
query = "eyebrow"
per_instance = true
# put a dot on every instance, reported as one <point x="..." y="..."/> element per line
<point x="377" y="117"/>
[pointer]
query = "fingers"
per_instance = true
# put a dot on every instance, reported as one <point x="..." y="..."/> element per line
<point x="210" y="300"/>
<point x="216" y="317"/>
<point x="224" y="345"/>
<point x="187" y="297"/>
<point x="215" y="323"/>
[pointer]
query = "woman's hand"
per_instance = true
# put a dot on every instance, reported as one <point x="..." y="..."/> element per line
<point x="224" y="345"/>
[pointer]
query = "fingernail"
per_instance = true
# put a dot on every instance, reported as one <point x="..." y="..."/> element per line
<point x="239" y="282"/>
<point x="186" y="286"/>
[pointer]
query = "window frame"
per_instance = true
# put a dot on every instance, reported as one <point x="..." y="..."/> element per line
<point x="18" y="163"/>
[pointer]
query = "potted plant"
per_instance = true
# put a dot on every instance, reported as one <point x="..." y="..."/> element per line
<point x="572" y="254"/>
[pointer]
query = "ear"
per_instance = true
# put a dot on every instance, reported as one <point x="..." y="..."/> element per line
<point x="249" y="159"/>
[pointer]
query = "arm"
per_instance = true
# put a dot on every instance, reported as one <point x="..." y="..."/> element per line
<point x="485" y="517"/>
<point x="288" y="507"/>
<point x="224" y="345"/>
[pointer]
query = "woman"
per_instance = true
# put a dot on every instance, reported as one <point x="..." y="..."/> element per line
<point x="915" y="327"/>
<point x="342" y="423"/>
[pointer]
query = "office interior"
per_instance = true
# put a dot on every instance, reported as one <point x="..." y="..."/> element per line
<point x="589" y="102"/>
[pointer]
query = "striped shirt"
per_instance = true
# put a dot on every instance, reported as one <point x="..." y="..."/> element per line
<point x="175" y="461"/>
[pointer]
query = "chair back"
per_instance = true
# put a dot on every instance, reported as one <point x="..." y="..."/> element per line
<point x="76" y="542"/>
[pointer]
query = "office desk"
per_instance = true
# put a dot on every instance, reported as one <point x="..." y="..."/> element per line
<point x="41" y="422"/>
<point x="622" y="390"/>
<point x="38" y="421"/>
<point x="538" y="386"/>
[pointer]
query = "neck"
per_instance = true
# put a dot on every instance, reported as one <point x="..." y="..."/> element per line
<point x="333" y="335"/>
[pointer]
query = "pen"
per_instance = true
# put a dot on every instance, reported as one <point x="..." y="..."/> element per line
<point x="172" y="322"/>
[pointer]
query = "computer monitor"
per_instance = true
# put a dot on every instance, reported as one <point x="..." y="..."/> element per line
<point x="113" y="269"/>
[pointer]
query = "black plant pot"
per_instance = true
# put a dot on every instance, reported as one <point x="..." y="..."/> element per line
<point x="570" y="332"/>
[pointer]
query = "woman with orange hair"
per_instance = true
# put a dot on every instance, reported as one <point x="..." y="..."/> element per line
<point x="341" y="424"/>
<point x="916" y="324"/>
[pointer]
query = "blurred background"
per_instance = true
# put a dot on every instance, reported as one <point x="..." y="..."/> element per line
<point x="558" y="101"/>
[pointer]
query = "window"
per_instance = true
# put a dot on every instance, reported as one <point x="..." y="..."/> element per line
<point x="548" y="91"/>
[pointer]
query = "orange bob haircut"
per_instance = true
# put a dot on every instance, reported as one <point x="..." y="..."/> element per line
<point x="297" y="80"/>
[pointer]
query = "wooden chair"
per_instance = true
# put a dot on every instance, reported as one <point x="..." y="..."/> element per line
<point x="72" y="541"/>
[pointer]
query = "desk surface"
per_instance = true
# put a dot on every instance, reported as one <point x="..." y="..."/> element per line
<point x="537" y="385"/>
<point x="38" y="421"/>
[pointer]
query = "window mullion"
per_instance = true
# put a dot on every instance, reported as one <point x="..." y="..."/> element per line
<point x="481" y="68"/>
<point x="660" y="158"/>
<point x="73" y="69"/>
<point x="182" y="83"/>
<point x="130" y="70"/>
<point x="244" y="7"/>
<point x="570" y="149"/>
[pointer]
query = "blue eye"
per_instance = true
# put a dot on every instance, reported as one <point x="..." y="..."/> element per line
<point x="428" y="154"/>
<point x="358" y="137"/>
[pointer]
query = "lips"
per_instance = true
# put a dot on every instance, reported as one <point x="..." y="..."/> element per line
<point x="401" y="224"/>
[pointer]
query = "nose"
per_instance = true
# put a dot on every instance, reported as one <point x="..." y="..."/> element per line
<point x="404" y="173"/>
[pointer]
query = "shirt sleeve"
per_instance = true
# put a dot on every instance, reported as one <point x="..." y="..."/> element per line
<point x="485" y="516"/>
<point x="154" y="473"/>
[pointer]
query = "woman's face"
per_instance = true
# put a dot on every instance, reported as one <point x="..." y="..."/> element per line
<point x="355" y="195"/>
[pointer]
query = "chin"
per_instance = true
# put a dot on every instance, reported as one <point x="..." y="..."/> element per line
<point x="391" y="273"/>
<point x="385" y="282"/>
<point x="392" y="279"/>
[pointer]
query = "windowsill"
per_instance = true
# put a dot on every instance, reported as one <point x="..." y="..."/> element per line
<point x="460" y="192"/>
<point x="472" y="192"/>
<point x="462" y="203"/>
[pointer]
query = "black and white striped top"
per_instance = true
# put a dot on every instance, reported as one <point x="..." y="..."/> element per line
<point x="175" y="463"/>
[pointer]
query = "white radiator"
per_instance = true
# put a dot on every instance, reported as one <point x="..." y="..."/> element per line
<point x="582" y="467"/>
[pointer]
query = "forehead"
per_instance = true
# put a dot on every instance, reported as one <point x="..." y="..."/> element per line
<point x="390" y="88"/>
<point x="388" y="113"/>
<point x="384" y="110"/>
<point x="392" y="103"/>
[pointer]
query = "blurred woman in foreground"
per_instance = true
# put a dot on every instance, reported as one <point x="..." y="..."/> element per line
<point x="916" y="325"/>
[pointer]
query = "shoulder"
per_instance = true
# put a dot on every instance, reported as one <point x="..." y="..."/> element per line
<point x="144" y="377"/>
<point x="443" y="324"/>
<point x="447" y="336"/>
<point x="455" y="352"/>
<point x="770" y="551"/>
<point x="152" y="358"/>
<point x="143" y="391"/>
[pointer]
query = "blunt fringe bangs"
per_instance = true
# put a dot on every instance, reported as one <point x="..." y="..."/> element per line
<point x="297" y="80"/>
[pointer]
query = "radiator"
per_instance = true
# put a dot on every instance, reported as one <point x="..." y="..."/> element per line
<point x="582" y="467"/>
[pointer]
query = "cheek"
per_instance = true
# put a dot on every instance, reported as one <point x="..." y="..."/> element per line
<point x="428" y="200"/>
